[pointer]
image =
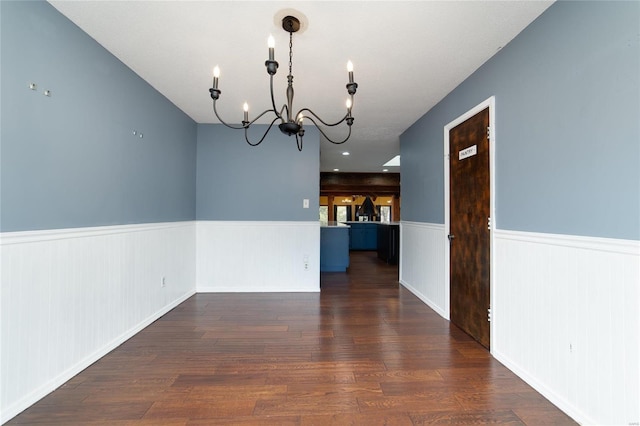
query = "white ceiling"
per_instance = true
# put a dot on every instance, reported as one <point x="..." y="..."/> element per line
<point x="407" y="56"/>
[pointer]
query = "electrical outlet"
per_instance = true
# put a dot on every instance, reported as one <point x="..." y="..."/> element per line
<point x="305" y="262"/>
<point x="163" y="282"/>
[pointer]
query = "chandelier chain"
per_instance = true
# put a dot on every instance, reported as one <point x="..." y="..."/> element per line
<point x="290" y="52"/>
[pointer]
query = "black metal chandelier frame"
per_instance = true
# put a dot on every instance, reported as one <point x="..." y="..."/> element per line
<point x="289" y="124"/>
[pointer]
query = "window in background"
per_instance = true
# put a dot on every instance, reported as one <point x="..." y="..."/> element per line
<point x="324" y="214"/>
<point x="385" y="214"/>
<point x="341" y="214"/>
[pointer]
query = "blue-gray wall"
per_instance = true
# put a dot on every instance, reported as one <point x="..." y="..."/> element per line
<point x="269" y="182"/>
<point x="568" y="127"/>
<point x="71" y="160"/>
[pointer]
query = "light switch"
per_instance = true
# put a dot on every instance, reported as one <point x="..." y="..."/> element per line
<point x="305" y="203"/>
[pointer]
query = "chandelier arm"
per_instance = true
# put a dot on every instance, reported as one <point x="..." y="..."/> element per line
<point x="299" y="143"/>
<point x="246" y="136"/>
<point x="320" y="119"/>
<point x="283" y="109"/>
<point x="247" y="124"/>
<point x="215" y="110"/>
<point x="258" y="117"/>
<point x="325" y="135"/>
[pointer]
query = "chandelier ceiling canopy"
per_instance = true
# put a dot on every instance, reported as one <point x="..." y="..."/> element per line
<point x="289" y="123"/>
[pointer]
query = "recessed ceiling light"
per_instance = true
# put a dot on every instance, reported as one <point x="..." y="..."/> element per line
<point x="345" y="153"/>
<point x="385" y="170"/>
<point x="336" y="170"/>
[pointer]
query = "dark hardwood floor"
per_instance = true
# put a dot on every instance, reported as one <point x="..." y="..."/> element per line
<point x="364" y="351"/>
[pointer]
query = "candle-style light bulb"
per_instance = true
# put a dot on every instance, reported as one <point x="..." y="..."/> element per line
<point x="349" y="104"/>
<point x="350" y="69"/>
<point x="271" y="43"/>
<point x="245" y="107"/>
<point x="216" y="74"/>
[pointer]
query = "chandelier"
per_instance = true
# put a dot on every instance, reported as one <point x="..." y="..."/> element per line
<point x="290" y="124"/>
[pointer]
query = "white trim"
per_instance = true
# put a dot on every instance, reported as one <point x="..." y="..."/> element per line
<point x="425" y="225"/>
<point x="491" y="104"/>
<point x="263" y="223"/>
<point x="22" y="237"/>
<point x="255" y="289"/>
<point x="424" y="299"/>
<point x="609" y="245"/>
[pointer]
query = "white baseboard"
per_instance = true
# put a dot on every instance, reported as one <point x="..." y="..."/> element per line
<point x="424" y="299"/>
<point x="552" y="395"/>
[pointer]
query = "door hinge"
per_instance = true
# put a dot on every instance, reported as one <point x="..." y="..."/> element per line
<point x="489" y="132"/>
<point x="489" y="223"/>
<point x="489" y="314"/>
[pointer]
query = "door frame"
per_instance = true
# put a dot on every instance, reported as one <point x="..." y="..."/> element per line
<point x="490" y="103"/>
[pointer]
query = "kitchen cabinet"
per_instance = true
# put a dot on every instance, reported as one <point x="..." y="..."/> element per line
<point x="334" y="247"/>
<point x="389" y="243"/>
<point x="363" y="235"/>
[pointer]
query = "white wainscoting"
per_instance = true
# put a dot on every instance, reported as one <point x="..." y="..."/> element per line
<point x="70" y="296"/>
<point x="257" y="256"/>
<point x="422" y="264"/>
<point x="567" y="320"/>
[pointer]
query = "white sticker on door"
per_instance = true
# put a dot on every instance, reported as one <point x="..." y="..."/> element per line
<point x="468" y="152"/>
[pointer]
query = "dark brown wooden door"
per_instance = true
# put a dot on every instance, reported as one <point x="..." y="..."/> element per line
<point x="469" y="231"/>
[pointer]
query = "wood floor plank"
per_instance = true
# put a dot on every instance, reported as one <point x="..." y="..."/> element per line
<point x="503" y="417"/>
<point x="277" y="420"/>
<point x="421" y="388"/>
<point x="403" y="376"/>
<point x="357" y="419"/>
<point x="222" y="392"/>
<point x="544" y="417"/>
<point x="199" y="409"/>
<point x="322" y="390"/>
<point x="363" y="351"/>
<point x="436" y="401"/>
<point x="74" y="413"/>
<point x="329" y="404"/>
<point x="298" y="376"/>
<point x="111" y="422"/>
